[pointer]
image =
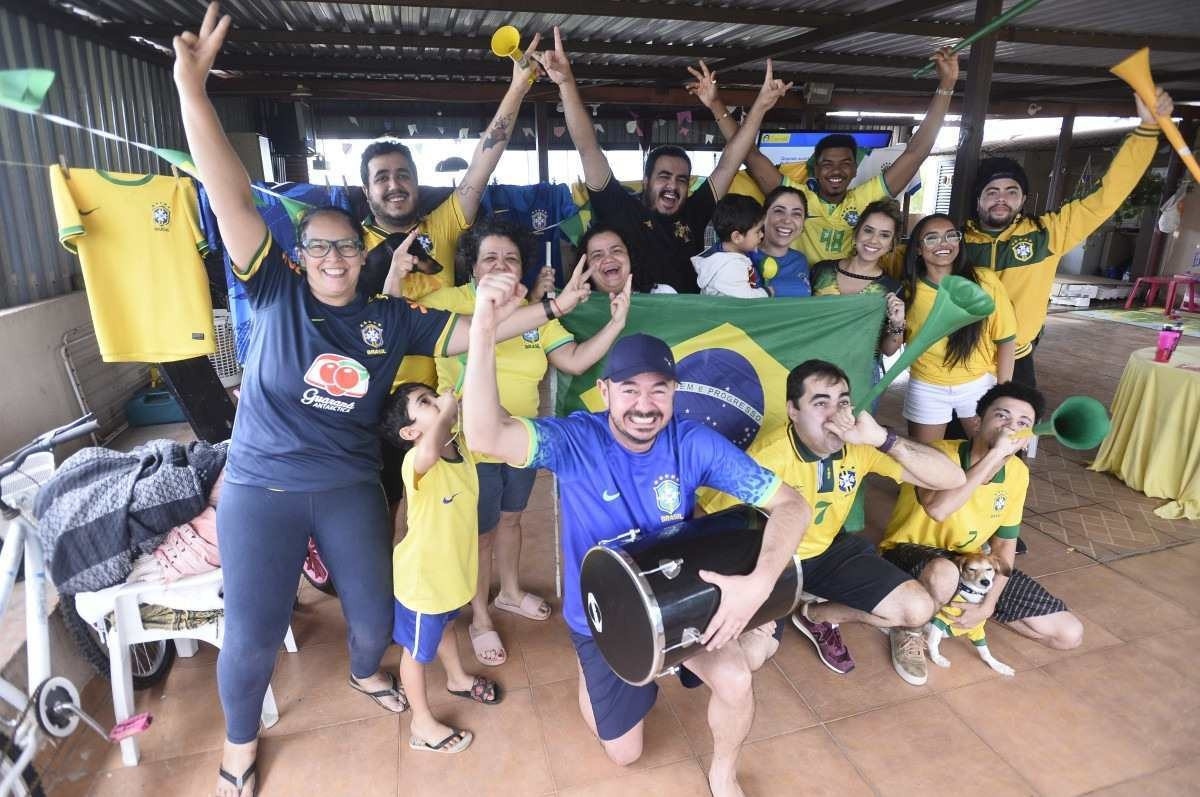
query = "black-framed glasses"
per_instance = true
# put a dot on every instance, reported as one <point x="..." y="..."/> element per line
<point x="935" y="238"/>
<point x="320" y="247"/>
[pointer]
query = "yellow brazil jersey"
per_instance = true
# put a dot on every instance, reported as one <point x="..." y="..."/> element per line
<point x="139" y="243"/>
<point x="520" y="362"/>
<point x="828" y="484"/>
<point x="829" y="229"/>
<point x="1026" y="253"/>
<point x="995" y="509"/>
<point x="439" y="233"/>
<point x="435" y="566"/>
<point x="999" y="327"/>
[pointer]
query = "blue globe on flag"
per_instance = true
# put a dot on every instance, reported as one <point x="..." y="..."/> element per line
<point x="719" y="388"/>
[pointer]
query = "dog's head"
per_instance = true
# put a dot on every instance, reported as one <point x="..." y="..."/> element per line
<point x="977" y="571"/>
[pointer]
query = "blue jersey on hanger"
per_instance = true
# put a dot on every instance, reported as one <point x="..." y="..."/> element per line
<point x="605" y="489"/>
<point x="539" y="208"/>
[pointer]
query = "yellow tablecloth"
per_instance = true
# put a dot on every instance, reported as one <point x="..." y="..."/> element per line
<point x="1154" y="445"/>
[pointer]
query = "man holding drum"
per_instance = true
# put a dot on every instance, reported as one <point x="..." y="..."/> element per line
<point x="635" y="466"/>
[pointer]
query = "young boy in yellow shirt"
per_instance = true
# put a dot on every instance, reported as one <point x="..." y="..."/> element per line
<point x="434" y="567"/>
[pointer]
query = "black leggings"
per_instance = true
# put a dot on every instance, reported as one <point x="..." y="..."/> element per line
<point x="263" y="541"/>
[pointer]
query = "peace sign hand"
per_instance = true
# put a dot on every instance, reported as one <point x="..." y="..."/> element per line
<point x="772" y="89"/>
<point x="555" y="62"/>
<point x="577" y="289"/>
<point x="195" y="52"/>
<point x="704" y="87"/>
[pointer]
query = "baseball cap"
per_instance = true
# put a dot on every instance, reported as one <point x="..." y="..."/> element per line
<point x="639" y="354"/>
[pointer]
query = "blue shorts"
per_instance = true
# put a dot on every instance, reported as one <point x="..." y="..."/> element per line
<point x="502" y="488"/>
<point x="420" y="633"/>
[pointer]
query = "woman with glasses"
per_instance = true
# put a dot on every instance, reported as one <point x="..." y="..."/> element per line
<point x="953" y="373"/>
<point x="304" y="457"/>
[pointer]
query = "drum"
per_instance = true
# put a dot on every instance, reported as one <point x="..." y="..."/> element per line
<point x="646" y="603"/>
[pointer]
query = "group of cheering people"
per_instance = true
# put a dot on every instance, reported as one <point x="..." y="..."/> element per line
<point x="342" y="355"/>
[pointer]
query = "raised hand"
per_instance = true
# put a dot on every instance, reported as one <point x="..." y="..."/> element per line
<point x="1164" y="106"/>
<point x="447" y="404"/>
<point x="895" y="309"/>
<point x="526" y="75"/>
<point x="704" y="87"/>
<point x="863" y="430"/>
<point x="946" y="64"/>
<point x="772" y="89"/>
<point x="195" y="52"/>
<point x="555" y="62"/>
<point x="496" y="297"/>
<point x="402" y="262"/>
<point x="618" y="303"/>
<point x="577" y="289"/>
<point x="543" y="286"/>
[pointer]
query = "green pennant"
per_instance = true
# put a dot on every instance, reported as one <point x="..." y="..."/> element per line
<point x="24" y="89"/>
<point x="294" y="208"/>
<point x="179" y="159"/>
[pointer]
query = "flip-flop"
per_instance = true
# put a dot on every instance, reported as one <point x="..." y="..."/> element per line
<point x="483" y="641"/>
<point x="394" y="690"/>
<point x="480" y="691"/>
<point x="529" y="607"/>
<point x="239" y="783"/>
<point x="447" y="745"/>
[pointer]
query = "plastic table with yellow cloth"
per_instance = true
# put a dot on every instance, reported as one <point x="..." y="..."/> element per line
<point x="1154" y="445"/>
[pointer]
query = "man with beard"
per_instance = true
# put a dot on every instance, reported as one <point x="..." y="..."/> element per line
<point x="389" y="179"/>
<point x="834" y="206"/>
<point x="1025" y="250"/>
<point x="668" y="225"/>
<point x="637" y="466"/>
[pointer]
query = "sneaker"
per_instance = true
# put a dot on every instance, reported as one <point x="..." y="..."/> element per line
<point x="908" y="655"/>
<point x="827" y="640"/>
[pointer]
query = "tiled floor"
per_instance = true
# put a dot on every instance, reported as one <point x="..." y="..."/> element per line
<point x="1118" y="716"/>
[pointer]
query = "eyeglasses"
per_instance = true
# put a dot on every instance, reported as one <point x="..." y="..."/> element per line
<point x="319" y="247"/>
<point x="933" y="238"/>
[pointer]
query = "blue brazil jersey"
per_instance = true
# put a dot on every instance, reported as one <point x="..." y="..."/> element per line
<point x="791" y="278"/>
<point x="606" y="490"/>
<point x="317" y="378"/>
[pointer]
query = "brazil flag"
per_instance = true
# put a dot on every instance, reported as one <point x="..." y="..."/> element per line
<point x="733" y="355"/>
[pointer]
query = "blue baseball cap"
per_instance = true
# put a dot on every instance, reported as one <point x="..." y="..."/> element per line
<point x="639" y="354"/>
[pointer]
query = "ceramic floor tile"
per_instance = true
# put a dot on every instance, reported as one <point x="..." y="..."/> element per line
<point x="1116" y="602"/>
<point x="190" y="774"/>
<point x="1100" y="532"/>
<point x="1045" y="496"/>
<point x="1178" y="649"/>
<point x="871" y="684"/>
<point x="1001" y="638"/>
<point x="1169" y="573"/>
<point x="967" y="668"/>
<point x="1171" y="782"/>
<point x="312" y="689"/>
<point x="806" y="762"/>
<point x="1088" y="484"/>
<point x="548" y="652"/>
<point x="506" y="758"/>
<point x="576" y="757"/>
<point x="1060" y="744"/>
<point x="1146" y="695"/>
<point x="681" y="779"/>
<point x="1141" y="513"/>
<point x="359" y="758"/>
<point x="778" y="708"/>
<point x="1047" y="555"/>
<point x="886" y="743"/>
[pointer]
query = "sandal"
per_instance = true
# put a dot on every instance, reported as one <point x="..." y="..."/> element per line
<point x="482" y="691"/>
<point x="485" y="641"/>
<point x="531" y="607"/>
<point x="239" y="783"/>
<point x="447" y="745"/>
<point x="395" y="690"/>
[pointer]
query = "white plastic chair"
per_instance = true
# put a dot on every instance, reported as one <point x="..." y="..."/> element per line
<point x="201" y="592"/>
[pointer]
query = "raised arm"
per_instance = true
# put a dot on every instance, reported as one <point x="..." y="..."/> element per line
<point x="488" y="427"/>
<point x="941" y="504"/>
<point x="924" y="466"/>
<point x="738" y="147"/>
<point x="428" y="449"/>
<point x="224" y="177"/>
<point x="900" y="173"/>
<point x="495" y="138"/>
<point x="575" y="358"/>
<point x="596" y="170"/>
<point x="704" y="87"/>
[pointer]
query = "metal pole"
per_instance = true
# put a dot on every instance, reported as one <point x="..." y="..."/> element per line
<point x="541" y="128"/>
<point x="1058" y="171"/>
<point x="970" y="137"/>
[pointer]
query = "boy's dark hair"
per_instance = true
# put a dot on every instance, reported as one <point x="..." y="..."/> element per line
<point x="1030" y="395"/>
<point x="822" y="368"/>
<point x="664" y="151"/>
<point x="835" y="141"/>
<point x="736" y="213"/>
<point x="779" y="191"/>
<point x="395" y="414"/>
<point x="383" y="146"/>
<point x="502" y="225"/>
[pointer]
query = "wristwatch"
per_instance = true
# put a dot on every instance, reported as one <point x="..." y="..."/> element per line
<point x="888" y="441"/>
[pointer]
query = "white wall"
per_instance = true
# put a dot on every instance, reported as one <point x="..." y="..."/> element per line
<point x="35" y="394"/>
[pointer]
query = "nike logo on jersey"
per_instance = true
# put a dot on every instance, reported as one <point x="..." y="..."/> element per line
<point x="449" y="498"/>
<point x="610" y="497"/>
<point x="88" y="212"/>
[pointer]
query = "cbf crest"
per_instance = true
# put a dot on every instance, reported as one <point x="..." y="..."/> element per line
<point x="539" y="218"/>
<point x="851" y="217"/>
<point x="532" y="339"/>
<point x="847" y="481"/>
<point x="1000" y="502"/>
<point x="668" y="497"/>
<point x="372" y="335"/>
<point x="1022" y="249"/>
<point x="160" y="215"/>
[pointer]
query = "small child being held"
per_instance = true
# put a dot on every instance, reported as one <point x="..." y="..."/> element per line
<point x="435" y="566"/>
<point x="725" y="269"/>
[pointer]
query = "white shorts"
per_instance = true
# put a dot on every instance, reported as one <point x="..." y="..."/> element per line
<point x="932" y="404"/>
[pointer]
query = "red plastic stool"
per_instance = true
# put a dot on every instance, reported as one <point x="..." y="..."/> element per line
<point x="1189" y="303"/>
<point x="1152" y="286"/>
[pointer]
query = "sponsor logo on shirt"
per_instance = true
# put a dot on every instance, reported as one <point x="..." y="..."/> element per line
<point x="372" y="335"/>
<point x="160" y="214"/>
<point x="668" y="497"/>
<point x="335" y="375"/>
<point x="1022" y="249"/>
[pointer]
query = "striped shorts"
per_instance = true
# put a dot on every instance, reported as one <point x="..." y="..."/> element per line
<point x="1022" y="596"/>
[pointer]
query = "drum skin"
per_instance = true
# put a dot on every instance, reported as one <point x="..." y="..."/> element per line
<point x="636" y="616"/>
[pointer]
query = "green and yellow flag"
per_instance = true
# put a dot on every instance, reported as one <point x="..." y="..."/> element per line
<point x="733" y="355"/>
